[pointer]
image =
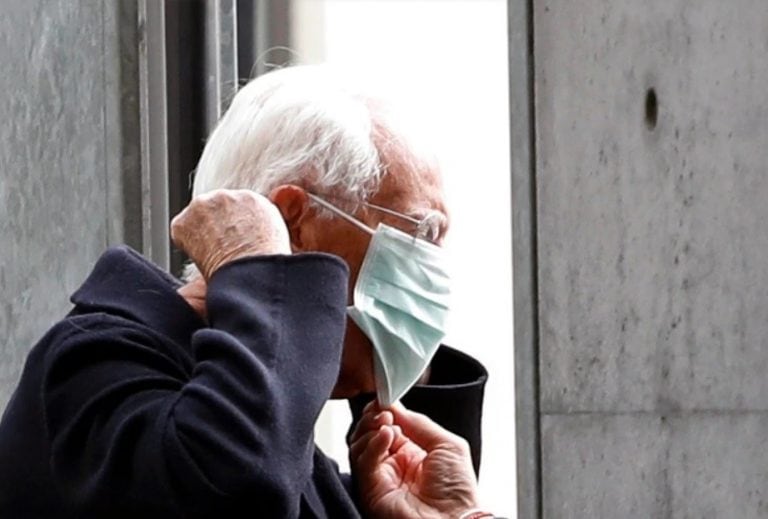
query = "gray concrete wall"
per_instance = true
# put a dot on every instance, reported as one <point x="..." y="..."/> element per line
<point x="524" y="269"/>
<point x="67" y="142"/>
<point x="652" y="258"/>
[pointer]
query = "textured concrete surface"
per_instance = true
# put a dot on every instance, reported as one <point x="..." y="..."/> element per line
<point x="53" y="202"/>
<point x="652" y="247"/>
<point x="607" y="467"/>
<point x="718" y="466"/>
<point x="123" y="123"/>
<point x="688" y="466"/>
<point x="524" y="262"/>
<point x="652" y="243"/>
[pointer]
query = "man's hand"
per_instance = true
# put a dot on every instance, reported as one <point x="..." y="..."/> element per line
<point x="407" y="466"/>
<point x="224" y="225"/>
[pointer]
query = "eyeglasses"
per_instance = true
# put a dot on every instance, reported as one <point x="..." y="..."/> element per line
<point x="427" y="228"/>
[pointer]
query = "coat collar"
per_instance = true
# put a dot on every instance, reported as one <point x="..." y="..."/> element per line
<point x="126" y="284"/>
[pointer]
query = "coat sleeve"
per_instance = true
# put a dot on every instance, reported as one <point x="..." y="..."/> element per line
<point x="130" y="430"/>
<point x="453" y="397"/>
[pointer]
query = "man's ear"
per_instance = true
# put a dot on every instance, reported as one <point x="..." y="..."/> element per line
<point x="293" y="203"/>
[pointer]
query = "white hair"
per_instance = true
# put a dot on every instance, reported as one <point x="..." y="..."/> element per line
<point x="307" y="125"/>
<point x="303" y="125"/>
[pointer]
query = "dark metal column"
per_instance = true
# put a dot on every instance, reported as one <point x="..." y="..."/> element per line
<point x="185" y="48"/>
<point x="211" y="47"/>
<point x="264" y="36"/>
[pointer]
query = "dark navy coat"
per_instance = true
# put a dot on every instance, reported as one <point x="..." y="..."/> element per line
<point x="132" y="405"/>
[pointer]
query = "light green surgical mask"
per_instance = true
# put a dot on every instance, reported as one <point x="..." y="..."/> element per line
<point x="400" y="302"/>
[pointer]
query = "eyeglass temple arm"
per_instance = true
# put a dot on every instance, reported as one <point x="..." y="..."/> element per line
<point x="394" y="213"/>
<point x="354" y="221"/>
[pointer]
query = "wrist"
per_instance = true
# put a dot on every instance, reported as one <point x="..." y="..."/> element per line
<point x="220" y="259"/>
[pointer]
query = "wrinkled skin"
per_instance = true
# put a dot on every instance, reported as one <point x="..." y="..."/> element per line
<point x="413" y="189"/>
<point x="406" y="465"/>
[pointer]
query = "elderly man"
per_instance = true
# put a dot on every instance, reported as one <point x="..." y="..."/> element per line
<point x="199" y="399"/>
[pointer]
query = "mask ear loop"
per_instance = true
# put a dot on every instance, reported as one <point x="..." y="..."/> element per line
<point x="351" y="219"/>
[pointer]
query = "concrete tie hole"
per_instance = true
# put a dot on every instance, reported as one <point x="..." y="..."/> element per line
<point x="651" y="109"/>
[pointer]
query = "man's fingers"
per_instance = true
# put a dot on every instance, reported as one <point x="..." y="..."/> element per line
<point x="399" y="440"/>
<point x="424" y="432"/>
<point x="371" y="406"/>
<point x="371" y="421"/>
<point x="376" y="449"/>
<point x="357" y="447"/>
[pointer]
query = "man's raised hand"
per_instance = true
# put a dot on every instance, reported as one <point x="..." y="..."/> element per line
<point x="224" y="225"/>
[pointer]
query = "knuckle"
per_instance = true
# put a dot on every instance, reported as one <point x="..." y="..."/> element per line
<point x="242" y="198"/>
<point x="196" y="206"/>
<point x="461" y="444"/>
<point x="202" y="199"/>
<point x="218" y="196"/>
<point x="177" y="223"/>
<point x="253" y="198"/>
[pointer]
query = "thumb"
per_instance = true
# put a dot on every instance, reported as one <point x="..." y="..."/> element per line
<point x="423" y="431"/>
